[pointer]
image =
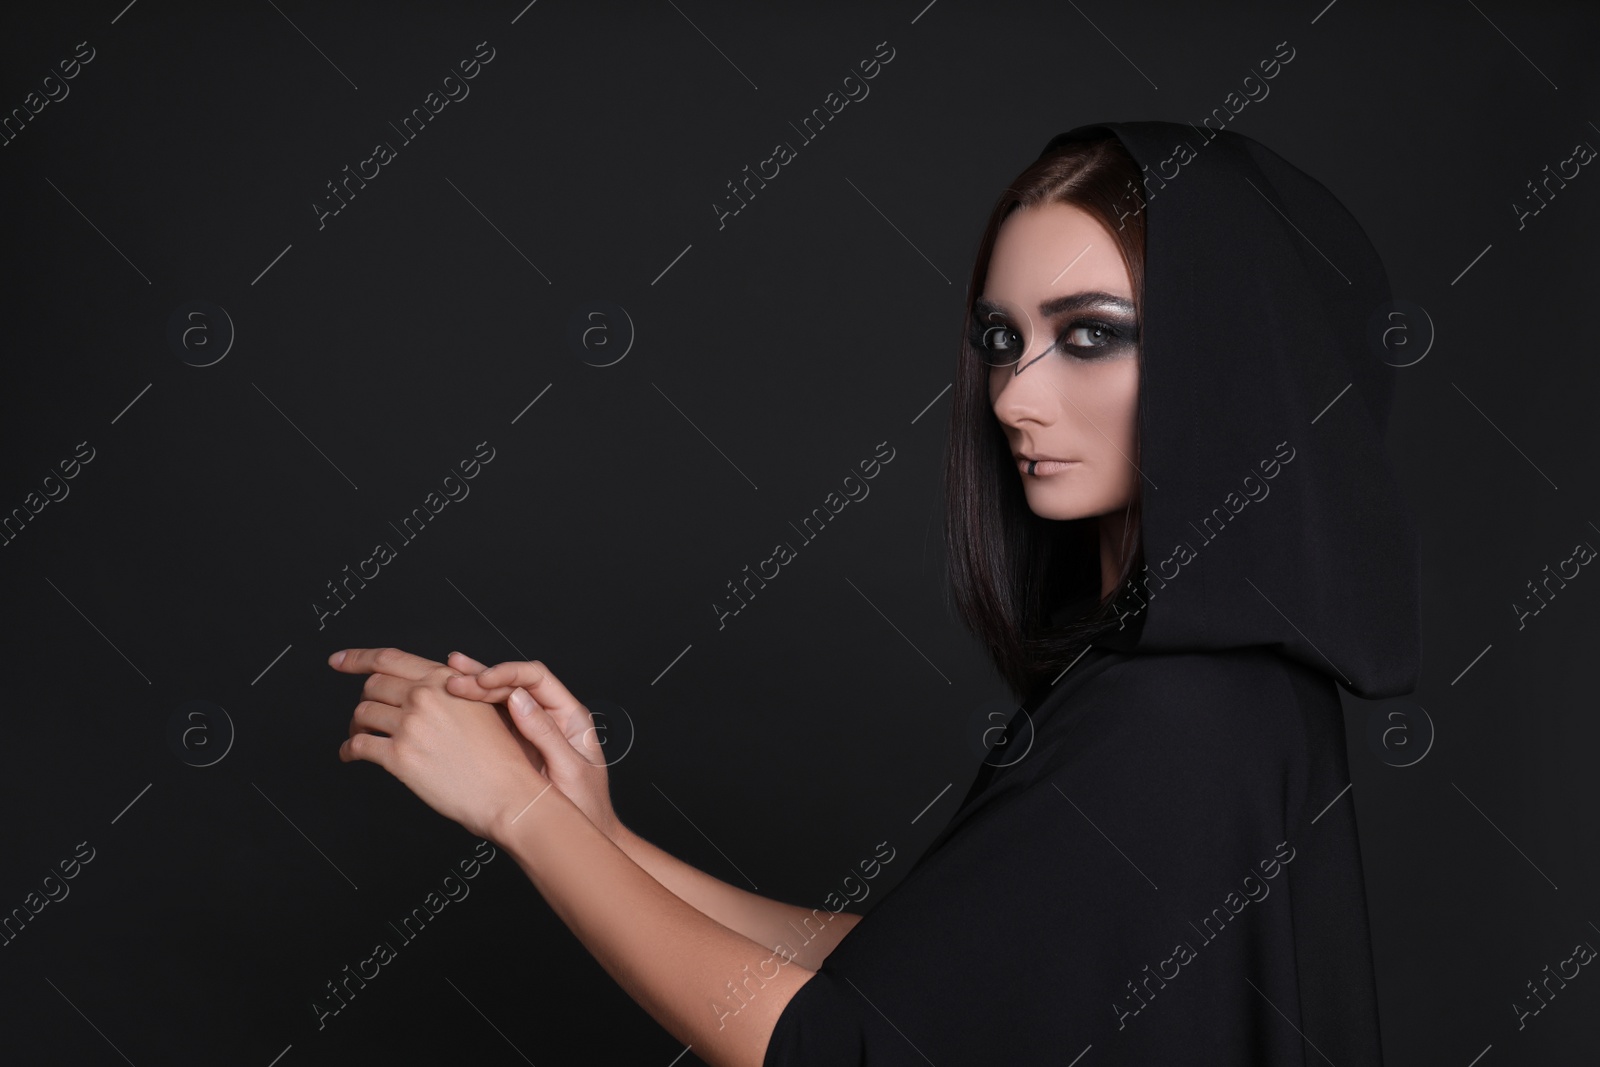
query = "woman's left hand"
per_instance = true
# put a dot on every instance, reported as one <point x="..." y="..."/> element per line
<point x="462" y="757"/>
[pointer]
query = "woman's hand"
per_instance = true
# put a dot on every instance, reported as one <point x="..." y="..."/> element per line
<point x="458" y="754"/>
<point x="552" y="719"/>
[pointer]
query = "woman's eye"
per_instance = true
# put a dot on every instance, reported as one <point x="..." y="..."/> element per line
<point x="1092" y="339"/>
<point x="1088" y="335"/>
<point x="1000" y="339"/>
<point x="1001" y="343"/>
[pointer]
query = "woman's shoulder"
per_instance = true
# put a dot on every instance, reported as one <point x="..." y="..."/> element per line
<point x="1170" y="734"/>
<point x="1230" y="722"/>
<point x="1250" y="696"/>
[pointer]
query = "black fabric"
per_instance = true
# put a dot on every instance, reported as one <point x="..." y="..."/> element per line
<point x="1160" y="864"/>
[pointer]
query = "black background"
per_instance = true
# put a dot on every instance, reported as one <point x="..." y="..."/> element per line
<point x="768" y="357"/>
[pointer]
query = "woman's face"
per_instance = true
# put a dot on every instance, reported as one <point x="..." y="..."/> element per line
<point x="1057" y="309"/>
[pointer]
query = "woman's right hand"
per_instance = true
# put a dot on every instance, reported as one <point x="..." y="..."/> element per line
<point x="584" y="781"/>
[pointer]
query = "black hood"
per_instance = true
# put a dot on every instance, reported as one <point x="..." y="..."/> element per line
<point x="1271" y="515"/>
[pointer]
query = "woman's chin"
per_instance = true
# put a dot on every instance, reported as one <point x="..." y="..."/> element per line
<point x="1049" y="503"/>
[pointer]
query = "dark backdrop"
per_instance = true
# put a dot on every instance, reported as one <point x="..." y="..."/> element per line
<point x="161" y="213"/>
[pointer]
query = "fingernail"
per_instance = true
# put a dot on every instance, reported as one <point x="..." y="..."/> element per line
<point x="337" y="658"/>
<point x="521" y="702"/>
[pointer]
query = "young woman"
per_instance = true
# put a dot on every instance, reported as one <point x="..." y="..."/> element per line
<point x="1171" y="521"/>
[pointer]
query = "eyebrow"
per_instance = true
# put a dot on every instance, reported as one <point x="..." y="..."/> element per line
<point x="1060" y="305"/>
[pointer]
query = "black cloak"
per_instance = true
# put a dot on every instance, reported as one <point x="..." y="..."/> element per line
<point x="1158" y="862"/>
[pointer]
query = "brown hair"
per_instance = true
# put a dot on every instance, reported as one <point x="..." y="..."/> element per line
<point x="1009" y="568"/>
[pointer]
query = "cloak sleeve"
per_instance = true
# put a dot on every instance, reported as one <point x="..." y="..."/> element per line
<point x="1153" y="880"/>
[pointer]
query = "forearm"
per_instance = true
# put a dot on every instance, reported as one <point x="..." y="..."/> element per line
<point x="716" y="990"/>
<point x="805" y="935"/>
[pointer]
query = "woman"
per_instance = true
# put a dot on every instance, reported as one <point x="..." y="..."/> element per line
<point x="1172" y="522"/>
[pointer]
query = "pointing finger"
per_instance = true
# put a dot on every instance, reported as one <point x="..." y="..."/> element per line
<point x="383" y="660"/>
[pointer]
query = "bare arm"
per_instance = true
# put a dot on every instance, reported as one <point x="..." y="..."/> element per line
<point x="711" y="987"/>
<point x="714" y="989"/>
<point x="806" y="935"/>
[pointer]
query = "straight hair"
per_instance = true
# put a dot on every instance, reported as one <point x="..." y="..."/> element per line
<point x="1011" y="571"/>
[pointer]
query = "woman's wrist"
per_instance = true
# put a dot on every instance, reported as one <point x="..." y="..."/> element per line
<point x="619" y="834"/>
<point x="505" y="821"/>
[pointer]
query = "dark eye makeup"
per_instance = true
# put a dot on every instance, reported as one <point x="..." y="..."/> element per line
<point x="1082" y="339"/>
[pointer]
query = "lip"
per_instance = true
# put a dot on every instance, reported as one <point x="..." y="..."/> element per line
<point x="1043" y="465"/>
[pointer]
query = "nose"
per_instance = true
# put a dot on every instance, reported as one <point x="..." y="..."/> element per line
<point x="1025" y="396"/>
<point x="1028" y="359"/>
